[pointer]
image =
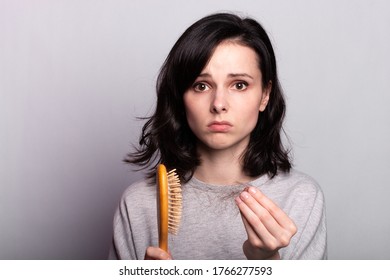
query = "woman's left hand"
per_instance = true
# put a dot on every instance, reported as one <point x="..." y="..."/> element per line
<point x="267" y="226"/>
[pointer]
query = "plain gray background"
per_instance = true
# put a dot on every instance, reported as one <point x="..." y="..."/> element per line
<point x="74" y="75"/>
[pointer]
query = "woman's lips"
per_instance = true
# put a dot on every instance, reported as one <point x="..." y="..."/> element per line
<point x="219" y="126"/>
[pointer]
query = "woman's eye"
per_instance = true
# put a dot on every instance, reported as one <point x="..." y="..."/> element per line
<point x="240" y="85"/>
<point x="199" y="87"/>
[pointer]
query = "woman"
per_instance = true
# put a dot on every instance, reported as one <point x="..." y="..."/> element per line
<point x="218" y="121"/>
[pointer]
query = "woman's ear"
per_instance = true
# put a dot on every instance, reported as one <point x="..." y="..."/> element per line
<point x="265" y="96"/>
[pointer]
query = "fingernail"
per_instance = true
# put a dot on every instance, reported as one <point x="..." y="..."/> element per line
<point x="252" y="190"/>
<point x="238" y="200"/>
<point x="165" y="256"/>
<point x="244" y="195"/>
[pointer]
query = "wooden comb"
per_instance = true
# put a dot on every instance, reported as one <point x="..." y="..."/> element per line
<point x="169" y="203"/>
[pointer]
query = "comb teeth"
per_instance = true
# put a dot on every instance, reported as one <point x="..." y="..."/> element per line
<point x="175" y="202"/>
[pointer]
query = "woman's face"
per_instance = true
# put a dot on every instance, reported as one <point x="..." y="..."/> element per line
<point x="223" y="104"/>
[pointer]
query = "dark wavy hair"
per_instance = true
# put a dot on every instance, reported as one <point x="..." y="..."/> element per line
<point x="166" y="137"/>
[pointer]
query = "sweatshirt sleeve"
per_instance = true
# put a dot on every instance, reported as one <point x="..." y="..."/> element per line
<point x="311" y="237"/>
<point x="135" y="223"/>
<point x="122" y="246"/>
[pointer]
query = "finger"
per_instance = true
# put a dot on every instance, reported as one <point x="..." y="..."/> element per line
<point x="258" y="216"/>
<point x="275" y="211"/>
<point x="280" y="236"/>
<point x="253" y="237"/>
<point x="258" y="234"/>
<point x="155" y="253"/>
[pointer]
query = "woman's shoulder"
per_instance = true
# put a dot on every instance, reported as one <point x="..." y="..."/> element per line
<point x="140" y="190"/>
<point x="299" y="176"/>
<point x="297" y="183"/>
<point x="294" y="177"/>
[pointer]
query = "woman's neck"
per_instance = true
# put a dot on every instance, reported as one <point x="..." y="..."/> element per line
<point x="221" y="168"/>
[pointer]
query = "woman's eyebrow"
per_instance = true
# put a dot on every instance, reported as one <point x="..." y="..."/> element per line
<point x="231" y="75"/>
<point x="204" y="75"/>
<point x="238" y="75"/>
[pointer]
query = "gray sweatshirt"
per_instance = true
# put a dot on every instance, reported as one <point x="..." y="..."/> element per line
<point x="211" y="225"/>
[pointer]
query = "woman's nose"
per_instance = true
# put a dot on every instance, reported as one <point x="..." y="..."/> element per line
<point x="219" y="103"/>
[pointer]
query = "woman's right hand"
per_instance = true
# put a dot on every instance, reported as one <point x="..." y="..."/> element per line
<point x="155" y="253"/>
